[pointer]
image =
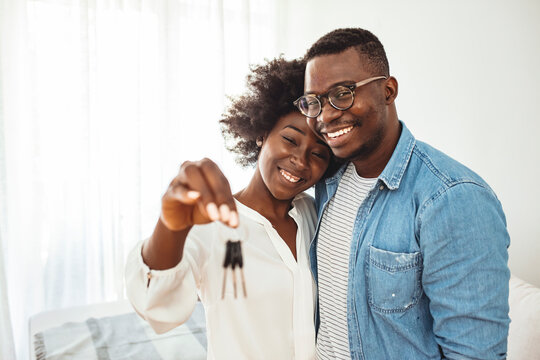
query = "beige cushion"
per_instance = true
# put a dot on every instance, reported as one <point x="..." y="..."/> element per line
<point x="524" y="333"/>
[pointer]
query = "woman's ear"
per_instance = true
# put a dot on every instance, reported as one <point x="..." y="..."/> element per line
<point x="260" y="140"/>
<point x="391" y="90"/>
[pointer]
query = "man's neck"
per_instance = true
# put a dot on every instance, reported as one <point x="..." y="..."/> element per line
<point x="373" y="165"/>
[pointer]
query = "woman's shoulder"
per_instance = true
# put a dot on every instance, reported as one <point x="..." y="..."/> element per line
<point x="305" y="214"/>
<point x="305" y="204"/>
<point x="304" y="199"/>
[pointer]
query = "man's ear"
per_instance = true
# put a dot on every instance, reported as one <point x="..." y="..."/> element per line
<point x="391" y="90"/>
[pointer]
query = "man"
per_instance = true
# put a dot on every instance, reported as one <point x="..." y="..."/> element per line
<point x="410" y="255"/>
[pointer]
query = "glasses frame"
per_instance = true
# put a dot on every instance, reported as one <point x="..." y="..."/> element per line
<point x="351" y="87"/>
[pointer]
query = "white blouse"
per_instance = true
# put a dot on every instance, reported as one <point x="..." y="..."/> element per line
<point x="275" y="321"/>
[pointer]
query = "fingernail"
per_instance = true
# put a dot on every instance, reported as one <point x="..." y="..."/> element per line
<point x="233" y="219"/>
<point x="225" y="212"/>
<point x="193" y="194"/>
<point x="212" y="211"/>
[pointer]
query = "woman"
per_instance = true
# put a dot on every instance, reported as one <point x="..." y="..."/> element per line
<point x="272" y="217"/>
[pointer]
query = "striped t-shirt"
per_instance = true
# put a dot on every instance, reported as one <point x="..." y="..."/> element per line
<point x="333" y="250"/>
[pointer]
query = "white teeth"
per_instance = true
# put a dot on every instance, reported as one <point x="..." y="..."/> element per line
<point x="339" y="132"/>
<point x="289" y="176"/>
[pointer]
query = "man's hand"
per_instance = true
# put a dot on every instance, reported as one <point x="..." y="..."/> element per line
<point x="199" y="194"/>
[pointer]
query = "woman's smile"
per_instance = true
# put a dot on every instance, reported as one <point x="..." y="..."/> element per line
<point x="289" y="177"/>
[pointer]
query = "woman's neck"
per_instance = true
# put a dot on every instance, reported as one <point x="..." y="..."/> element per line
<point x="257" y="197"/>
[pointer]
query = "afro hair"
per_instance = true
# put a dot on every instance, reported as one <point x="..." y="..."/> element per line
<point x="271" y="90"/>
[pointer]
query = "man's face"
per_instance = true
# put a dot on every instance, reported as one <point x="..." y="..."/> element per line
<point x="355" y="133"/>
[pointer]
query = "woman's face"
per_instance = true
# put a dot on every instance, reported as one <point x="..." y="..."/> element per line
<point x="292" y="158"/>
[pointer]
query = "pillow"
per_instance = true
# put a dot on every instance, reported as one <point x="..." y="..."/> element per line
<point x="524" y="332"/>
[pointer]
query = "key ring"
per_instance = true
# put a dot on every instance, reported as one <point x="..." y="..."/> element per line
<point x="233" y="258"/>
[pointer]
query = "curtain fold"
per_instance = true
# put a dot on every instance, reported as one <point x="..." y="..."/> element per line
<point x="100" y="101"/>
<point x="7" y="345"/>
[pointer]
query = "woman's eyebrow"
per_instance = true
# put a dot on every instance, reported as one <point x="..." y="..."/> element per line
<point x="319" y="141"/>
<point x="294" y="128"/>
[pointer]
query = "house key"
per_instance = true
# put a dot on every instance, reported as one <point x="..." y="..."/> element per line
<point x="233" y="259"/>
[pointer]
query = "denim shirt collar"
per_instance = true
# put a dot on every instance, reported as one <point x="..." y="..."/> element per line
<point x="394" y="170"/>
<point x="396" y="166"/>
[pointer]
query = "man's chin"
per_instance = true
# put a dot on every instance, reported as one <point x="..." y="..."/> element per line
<point x="344" y="154"/>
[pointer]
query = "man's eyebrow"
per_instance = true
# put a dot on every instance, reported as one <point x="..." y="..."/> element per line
<point x="295" y="128"/>
<point x="344" y="82"/>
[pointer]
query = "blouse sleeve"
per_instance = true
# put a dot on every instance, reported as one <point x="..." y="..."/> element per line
<point x="165" y="298"/>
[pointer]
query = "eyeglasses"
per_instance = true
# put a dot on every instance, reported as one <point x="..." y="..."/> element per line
<point x="340" y="97"/>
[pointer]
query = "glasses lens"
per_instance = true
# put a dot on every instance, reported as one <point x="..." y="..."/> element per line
<point x="341" y="97"/>
<point x="309" y="105"/>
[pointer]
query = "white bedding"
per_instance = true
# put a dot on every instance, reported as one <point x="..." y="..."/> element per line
<point x="121" y="336"/>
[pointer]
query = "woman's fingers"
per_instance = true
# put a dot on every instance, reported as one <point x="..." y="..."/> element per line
<point x="177" y="205"/>
<point x="204" y="184"/>
<point x="221" y="190"/>
<point x="191" y="178"/>
<point x="183" y="194"/>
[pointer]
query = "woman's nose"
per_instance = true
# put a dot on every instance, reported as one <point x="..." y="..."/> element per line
<point x="299" y="159"/>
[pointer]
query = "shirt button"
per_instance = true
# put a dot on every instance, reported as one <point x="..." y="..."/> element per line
<point x="381" y="187"/>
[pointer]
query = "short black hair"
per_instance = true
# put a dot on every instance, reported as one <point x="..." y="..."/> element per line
<point x="367" y="45"/>
<point x="271" y="90"/>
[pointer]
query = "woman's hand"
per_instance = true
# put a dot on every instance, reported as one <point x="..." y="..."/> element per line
<point x="199" y="194"/>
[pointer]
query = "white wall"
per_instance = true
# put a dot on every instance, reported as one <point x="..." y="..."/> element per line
<point x="469" y="77"/>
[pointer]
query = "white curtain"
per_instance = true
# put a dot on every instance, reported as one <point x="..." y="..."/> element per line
<point x="7" y="346"/>
<point x="100" y="101"/>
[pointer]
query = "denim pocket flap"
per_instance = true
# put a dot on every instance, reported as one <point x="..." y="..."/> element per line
<point x="393" y="280"/>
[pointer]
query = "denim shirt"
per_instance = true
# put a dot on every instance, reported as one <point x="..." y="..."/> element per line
<point x="428" y="274"/>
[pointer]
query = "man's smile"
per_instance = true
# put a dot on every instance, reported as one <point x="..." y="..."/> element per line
<point x="338" y="136"/>
<point x="339" y="132"/>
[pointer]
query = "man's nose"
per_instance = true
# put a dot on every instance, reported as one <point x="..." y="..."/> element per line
<point x="328" y="113"/>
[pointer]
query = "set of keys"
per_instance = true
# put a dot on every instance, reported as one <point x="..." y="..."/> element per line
<point x="233" y="259"/>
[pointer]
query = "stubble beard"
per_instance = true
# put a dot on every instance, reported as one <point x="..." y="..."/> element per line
<point x="368" y="147"/>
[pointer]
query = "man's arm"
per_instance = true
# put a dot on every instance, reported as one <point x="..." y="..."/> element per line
<point x="464" y="242"/>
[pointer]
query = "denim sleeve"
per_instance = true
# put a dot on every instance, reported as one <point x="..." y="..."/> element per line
<point x="464" y="243"/>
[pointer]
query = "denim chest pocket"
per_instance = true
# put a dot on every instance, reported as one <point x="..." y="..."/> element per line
<point x="394" y="280"/>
